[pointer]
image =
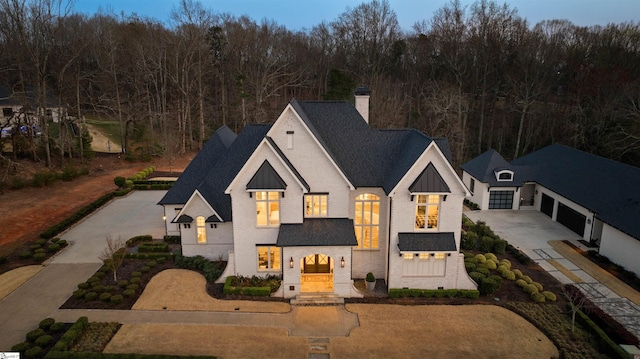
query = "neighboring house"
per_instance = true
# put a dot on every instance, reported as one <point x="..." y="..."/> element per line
<point x="19" y="112"/>
<point x="321" y="198"/>
<point x="595" y="197"/>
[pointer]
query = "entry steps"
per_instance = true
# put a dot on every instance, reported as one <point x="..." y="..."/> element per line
<point x="310" y="299"/>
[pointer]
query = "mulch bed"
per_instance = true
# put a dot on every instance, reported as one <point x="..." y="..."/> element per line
<point x="14" y="261"/>
<point x="129" y="266"/>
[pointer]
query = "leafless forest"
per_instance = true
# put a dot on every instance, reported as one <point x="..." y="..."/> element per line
<point x="480" y="75"/>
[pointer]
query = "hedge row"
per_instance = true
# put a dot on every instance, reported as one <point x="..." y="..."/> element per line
<point x="172" y="239"/>
<point x="131" y="242"/>
<point x="149" y="255"/>
<point x="153" y="247"/>
<point x="84" y="211"/>
<point x="210" y="270"/>
<point x="253" y="291"/>
<point x="70" y="337"/>
<point x="433" y="293"/>
<point x="586" y="322"/>
<point x="142" y="174"/>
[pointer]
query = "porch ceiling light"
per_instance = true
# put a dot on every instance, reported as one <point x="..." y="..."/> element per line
<point x="342" y="262"/>
<point x="291" y="262"/>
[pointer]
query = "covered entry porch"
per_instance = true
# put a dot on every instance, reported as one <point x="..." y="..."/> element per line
<point x="317" y="257"/>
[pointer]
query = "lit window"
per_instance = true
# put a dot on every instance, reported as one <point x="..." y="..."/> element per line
<point x="367" y="220"/>
<point x="424" y="256"/>
<point x="440" y="256"/>
<point x="201" y="229"/>
<point x="268" y="258"/>
<point x="427" y="209"/>
<point x="315" y="205"/>
<point x="408" y="256"/>
<point x="268" y="209"/>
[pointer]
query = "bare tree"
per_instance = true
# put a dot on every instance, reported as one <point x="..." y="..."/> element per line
<point x="577" y="300"/>
<point x="113" y="255"/>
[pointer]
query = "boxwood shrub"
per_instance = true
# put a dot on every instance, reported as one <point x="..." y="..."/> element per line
<point x="131" y="242"/>
<point x="46" y="323"/>
<point x="34" y="334"/>
<point x="44" y="340"/>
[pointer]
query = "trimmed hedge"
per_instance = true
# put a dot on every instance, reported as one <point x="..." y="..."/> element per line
<point x="433" y="293"/>
<point x="172" y="239"/>
<point x="153" y="247"/>
<point x="70" y="337"/>
<point x="210" y="270"/>
<point x="253" y="291"/>
<point x="131" y="242"/>
<point x="584" y="320"/>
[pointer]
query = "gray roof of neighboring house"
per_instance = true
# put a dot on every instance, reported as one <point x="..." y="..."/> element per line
<point x="427" y="242"/>
<point x="606" y="187"/>
<point x="317" y="232"/>
<point x="368" y="157"/>
<point x="215" y="166"/>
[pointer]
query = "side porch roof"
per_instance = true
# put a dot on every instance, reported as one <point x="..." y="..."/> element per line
<point x="427" y="242"/>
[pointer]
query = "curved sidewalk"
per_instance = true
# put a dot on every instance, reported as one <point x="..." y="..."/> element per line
<point x="317" y="321"/>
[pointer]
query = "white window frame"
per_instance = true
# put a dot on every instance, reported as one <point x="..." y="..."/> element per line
<point x="271" y="222"/>
<point x="319" y="199"/>
<point x="423" y="222"/>
<point x="269" y="267"/>
<point x="374" y="223"/>
<point x="500" y="173"/>
<point x="201" y="230"/>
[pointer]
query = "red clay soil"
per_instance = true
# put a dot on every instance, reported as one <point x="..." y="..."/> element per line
<point x="27" y="212"/>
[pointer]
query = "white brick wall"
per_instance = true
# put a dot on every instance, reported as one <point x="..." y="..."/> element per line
<point x="450" y="217"/>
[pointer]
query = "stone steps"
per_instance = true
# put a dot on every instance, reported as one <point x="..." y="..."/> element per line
<point x="317" y="299"/>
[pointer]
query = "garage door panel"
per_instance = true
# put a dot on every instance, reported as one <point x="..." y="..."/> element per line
<point x="546" y="205"/>
<point x="501" y="200"/>
<point x="571" y="218"/>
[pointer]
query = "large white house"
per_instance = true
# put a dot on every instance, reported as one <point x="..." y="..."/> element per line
<point x="595" y="197"/>
<point x="321" y="198"/>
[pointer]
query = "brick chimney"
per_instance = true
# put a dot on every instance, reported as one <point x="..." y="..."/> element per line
<point x="362" y="101"/>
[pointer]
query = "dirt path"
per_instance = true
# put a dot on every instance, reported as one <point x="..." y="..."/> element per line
<point x="100" y="142"/>
<point x="25" y="213"/>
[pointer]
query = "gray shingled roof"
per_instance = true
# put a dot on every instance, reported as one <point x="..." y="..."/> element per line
<point x="213" y="150"/>
<point x="427" y="242"/>
<point x="215" y="166"/>
<point x="368" y="157"/>
<point x="317" y="232"/>
<point x="604" y="186"/>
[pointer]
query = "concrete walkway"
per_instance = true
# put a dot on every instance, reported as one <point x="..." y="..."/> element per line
<point x="542" y="240"/>
<point x="317" y="321"/>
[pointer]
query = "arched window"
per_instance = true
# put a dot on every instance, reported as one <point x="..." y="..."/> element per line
<point x="201" y="230"/>
<point x="367" y="220"/>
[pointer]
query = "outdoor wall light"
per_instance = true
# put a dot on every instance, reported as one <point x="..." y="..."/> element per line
<point x="164" y="218"/>
<point x="342" y="262"/>
<point x="291" y="262"/>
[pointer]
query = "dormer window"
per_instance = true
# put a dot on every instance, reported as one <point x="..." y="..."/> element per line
<point x="504" y="176"/>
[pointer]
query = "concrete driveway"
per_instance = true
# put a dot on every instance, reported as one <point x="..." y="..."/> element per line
<point x="40" y="296"/>
<point x="531" y="231"/>
<point x="133" y="215"/>
<point x="540" y="238"/>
